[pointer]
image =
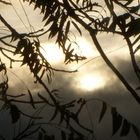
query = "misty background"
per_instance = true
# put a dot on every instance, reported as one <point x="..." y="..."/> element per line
<point x="105" y="85"/>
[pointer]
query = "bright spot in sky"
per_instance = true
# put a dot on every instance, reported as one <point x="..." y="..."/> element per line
<point x="52" y="53"/>
<point x="89" y="82"/>
<point x="85" y="47"/>
<point x="85" y="81"/>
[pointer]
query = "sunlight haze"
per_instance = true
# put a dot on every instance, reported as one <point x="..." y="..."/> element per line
<point x="87" y="79"/>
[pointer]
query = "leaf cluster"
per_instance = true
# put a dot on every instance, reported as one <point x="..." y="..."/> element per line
<point x="59" y="26"/>
<point x="30" y="51"/>
<point x="119" y="122"/>
<point x="60" y="17"/>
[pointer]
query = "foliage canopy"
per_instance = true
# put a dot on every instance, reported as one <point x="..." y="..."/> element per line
<point x="60" y="16"/>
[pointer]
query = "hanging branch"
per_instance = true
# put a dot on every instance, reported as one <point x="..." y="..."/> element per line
<point x="4" y="2"/>
<point x="99" y="48"/>
<point x="60" y="15"/>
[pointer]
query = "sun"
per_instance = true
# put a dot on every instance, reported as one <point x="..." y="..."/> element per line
<point x="90" y="82"/>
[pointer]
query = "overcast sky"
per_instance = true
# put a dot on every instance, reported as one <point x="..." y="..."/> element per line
<point x="94" y="79"/>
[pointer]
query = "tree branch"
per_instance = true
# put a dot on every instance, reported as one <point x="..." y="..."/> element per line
<point x="100" y="50"/>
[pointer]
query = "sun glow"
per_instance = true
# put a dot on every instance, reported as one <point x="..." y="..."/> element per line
<point x="85" y="47"/>
<point x="84" y="81"/>
<point x="52" y="53"/>
<point x="90" y="82"/>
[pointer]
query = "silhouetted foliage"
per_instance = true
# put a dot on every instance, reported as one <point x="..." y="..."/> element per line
<point x="60" y="16"/>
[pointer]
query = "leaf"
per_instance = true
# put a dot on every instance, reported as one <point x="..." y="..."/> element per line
<point x="136" y="131"/>
<point x="67" y="28"/>
<point x="4" y="2"/>
<point x="42" y="74"/>
<point x="137" y="49"/>
<point x="37" y="4"/>
<point x="63" y="20"/>
<point x="116" y="120"/>
<point x="55" y="91"/>
<point x="31" y="99"/>
<point x="76" y="26"/>
<point x="79" y="100"/>
<point x="125" y="128"/>
<point x="15" y="113"/>
<point x="77" y="1"/>
<point x="105" y="21"/>
<point x="69" y="47"/>
<point x="49" y="79"/>
<point x="53" y="29"/>
<point x="134" y="9"/>
<point x="112" y="27"/>
<point x="32" y="1"/>
<point x="37" y="68"/>
<point x="133" y="27"/>
<point x="104" y="108"/>
<point x="49" y="20"/>
<point x="71" y="51"/>
<point x="46" y="15"/>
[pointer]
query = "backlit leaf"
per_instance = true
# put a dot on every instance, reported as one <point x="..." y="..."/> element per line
<point x="125" y="128"/>
<point x="133" y="28"/>
<point x="116" y="120"/>
<point x="67" y="28"/>
<point x="136" y="131"/>
<point x="104" y="108"/>
<point x="137" y="49"/>
<point x="15" y="113"/>
<point x="4" y="2"/>
<point x="31" y="99"/>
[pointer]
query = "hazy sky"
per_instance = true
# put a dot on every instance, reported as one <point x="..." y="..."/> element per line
<point x="94" y="79"/>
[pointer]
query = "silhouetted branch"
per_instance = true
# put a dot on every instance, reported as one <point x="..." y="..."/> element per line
<point x="99" y="48"/>
<point x="16" y="96"/>
<point x="30" y="116"/>
<point x="4" y="2"/>
<point x="59" y="16"/>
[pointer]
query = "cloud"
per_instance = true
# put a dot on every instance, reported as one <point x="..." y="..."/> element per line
<point x="113" y="92"/>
